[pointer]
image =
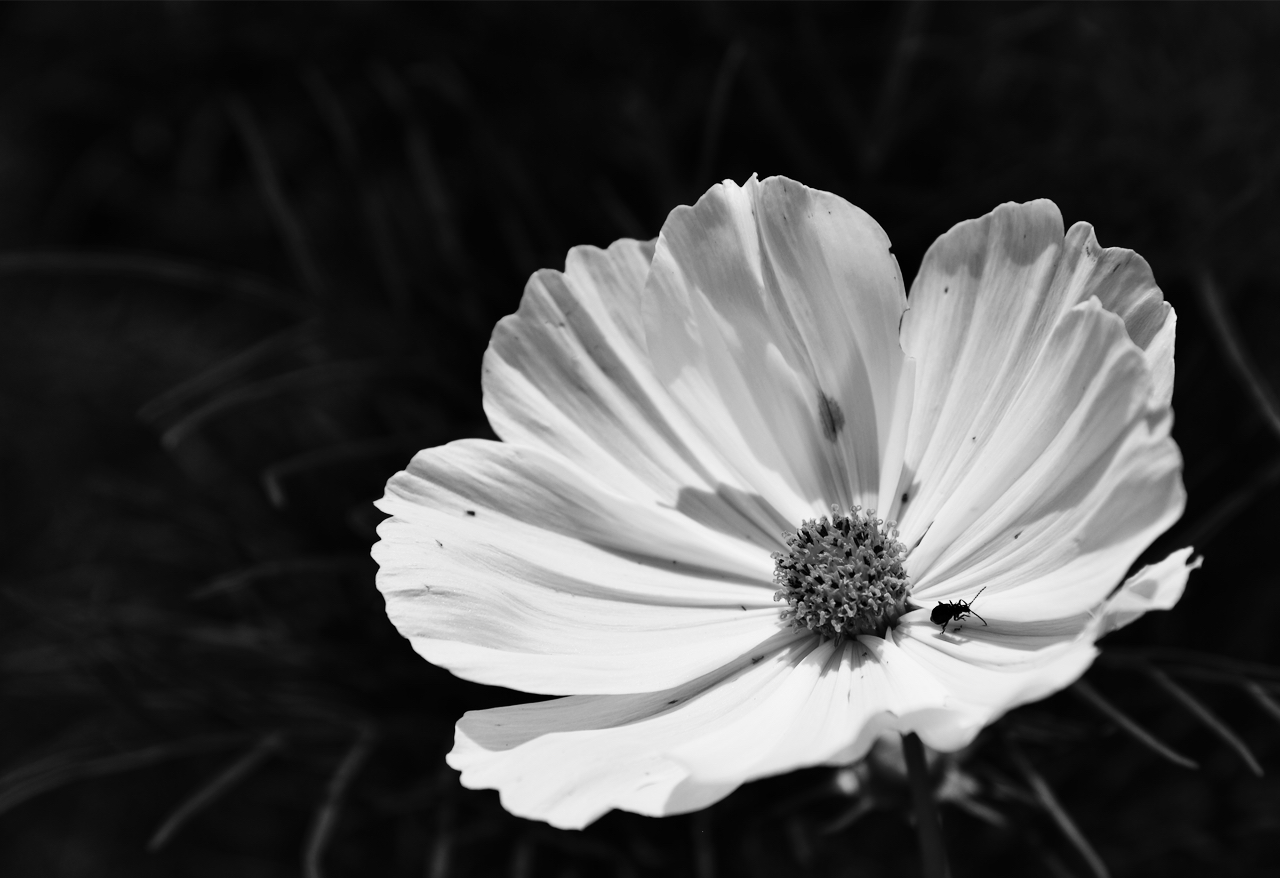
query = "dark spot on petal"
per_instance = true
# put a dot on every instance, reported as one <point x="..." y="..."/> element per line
<point x="440" y="544"/>
<point x="974" y="438"/>
<point x="756" y="658"/>
<point x="830" y="416"/>
<point x="674" y="701"/>
<point x="905" y="496"/>
<point x="946" y="290"/>
<point x="1041" y="230"/>
<point x="744" y="609"/>
<point x="471" y="512"/>
<point x="1018" y="534"/>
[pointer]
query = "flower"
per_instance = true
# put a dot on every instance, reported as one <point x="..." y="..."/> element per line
<point x="678" y="416"/>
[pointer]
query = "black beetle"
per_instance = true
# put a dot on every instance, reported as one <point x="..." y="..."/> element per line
<point x="954" y="611"/>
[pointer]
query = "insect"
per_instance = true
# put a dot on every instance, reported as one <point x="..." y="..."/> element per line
<point x="945" y="612"/>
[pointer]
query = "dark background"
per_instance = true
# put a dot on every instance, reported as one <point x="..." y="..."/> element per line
<point x="250" y="256"/>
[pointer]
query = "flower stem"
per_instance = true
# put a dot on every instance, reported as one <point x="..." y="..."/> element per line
<point x="933" y="853"/>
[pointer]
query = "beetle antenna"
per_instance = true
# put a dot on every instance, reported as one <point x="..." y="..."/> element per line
<point x="975" y="597"/>
<point x="984" y="621"/>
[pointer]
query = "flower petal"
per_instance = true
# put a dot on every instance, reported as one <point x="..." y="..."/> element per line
<point x="982" y="308"/>
<point x="569" y="374"/>
<point x="1038" y="453"/>
<point x="1154" y="587"/>
<point x="771" y="315"/>
<point x="1123" y="283"/>
<point x="799" y="702"/>
<point x="1075" y="482"/>
<point x="986" y="672"/>
<point x="510" y="567"/>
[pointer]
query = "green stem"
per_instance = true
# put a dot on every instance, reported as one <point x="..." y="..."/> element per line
<point x="933" y="853"/>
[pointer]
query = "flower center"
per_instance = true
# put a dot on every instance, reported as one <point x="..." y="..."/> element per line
<point x="843" y="576"/>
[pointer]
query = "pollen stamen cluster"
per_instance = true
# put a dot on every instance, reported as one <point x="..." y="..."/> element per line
<point x="843" y="575"/>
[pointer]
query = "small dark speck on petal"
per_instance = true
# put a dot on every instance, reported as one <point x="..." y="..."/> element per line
<point x="1018" y="534"/>
<point x="440" y="544"/>
<point x="905" y="496"/>
<point x="830" y="416"/>
<point x="974" y="438"/>
<point x="674" y="701"/>
<point x="744" y="609"/>
<point x="471" y="512"/>
<point x="756" y="658"/>
<point x="946" y="290"/>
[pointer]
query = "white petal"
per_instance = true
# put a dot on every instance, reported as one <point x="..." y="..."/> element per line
<point x="1038" y="454"/>
<point x="771" y="315"/>
<point x="800" y="702"/>
<point x="1122" y="281"/>
<point x="569" y="374"/>
<point x="982" y="308"/>
<point x="985" y="671"/>
<point x="1074" y="482"/>
<point x="509" y="567"/>
<point x="1154" y="587"/>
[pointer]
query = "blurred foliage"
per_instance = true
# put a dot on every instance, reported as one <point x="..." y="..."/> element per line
<point x="250" y="256"/>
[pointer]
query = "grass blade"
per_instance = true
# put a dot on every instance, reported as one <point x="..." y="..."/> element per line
<point x="1264" y="699"/>
<point x="1094" y="699"/>
<point x="393" y="447"/>
<point x="1204" y="665"/>
<point x="1047" y="800"/>
<point x="215" y="789"/>
<point x="440" y="860"/>
<point x="300" y="380"/>
<point x="223" y="372"/>
<point x="145" y="266"/>
<point x="425" y="170"/>
<point x="377" y="225"/>
<point x="34" y="779"/>
<point x="1224" y="329"/>
<point x="334" y="565"/>
<point x="327" y="814"/>
<point x="1201" y="711"/>
<point x="287" y="224"/>
<point x="848" y="817"/>
<point x="1202" y="531"/>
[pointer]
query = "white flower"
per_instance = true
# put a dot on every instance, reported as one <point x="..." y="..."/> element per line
<point x="671" y="409"/>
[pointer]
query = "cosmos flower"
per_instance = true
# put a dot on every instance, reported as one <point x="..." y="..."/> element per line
<point x="740" y="469"/>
